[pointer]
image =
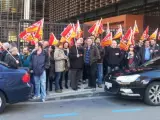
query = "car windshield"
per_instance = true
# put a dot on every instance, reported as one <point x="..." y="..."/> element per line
<point x="152" y="63"/>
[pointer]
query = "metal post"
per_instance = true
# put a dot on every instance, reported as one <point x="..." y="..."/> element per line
<point x="35" y="5"/>
<point x="43" y="8"/>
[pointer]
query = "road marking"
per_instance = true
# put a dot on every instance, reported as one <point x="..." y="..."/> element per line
<point x="60" y="115"/>
<point x="127" y="110"/>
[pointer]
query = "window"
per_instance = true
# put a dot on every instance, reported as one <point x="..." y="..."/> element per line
<point x="152" y="63"/>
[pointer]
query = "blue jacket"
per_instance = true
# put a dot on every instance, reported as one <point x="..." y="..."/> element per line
<point x="39" y="63"/>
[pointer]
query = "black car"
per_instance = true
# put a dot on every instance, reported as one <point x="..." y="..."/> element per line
<point x="142" y="82"/>
<point x="14" y="85"/>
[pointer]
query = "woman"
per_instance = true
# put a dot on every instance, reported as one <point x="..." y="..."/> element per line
<point x="52" y="67"/>
<point x="13" y="62"/>
<point x="133" y="58"/>
<point x="59" y="58"/>
<point x="66" y="52"/>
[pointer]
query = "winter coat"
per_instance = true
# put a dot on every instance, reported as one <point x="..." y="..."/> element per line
<point x="136" y="60"/>
<point x="25" y="60"/>
<point x="94" y="54"/>
<point x="76" y="62"/>
<point x="12" y="62"/>
<point x="113" y="56"/>
<point x="102" y="53"/>
<point x="156" y="51"/>
<point x="52" y="66"/>
<point x="59" y="58"/>
<point x="39" y="63"/>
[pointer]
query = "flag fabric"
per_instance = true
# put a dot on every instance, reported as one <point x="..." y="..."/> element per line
<point x="118" y="33"/>
<point x="127" y="35"/>
<point x="123" y="46"/>
<point x="33" y="32"/>
<point x="159" y="36"/>
<point x="53" y="40"/>
<point x="96" y="29"/>
<point x="154" y="35"/>
<point x="131" y="39"/>
<point x="78" y="30"/>
<point x="107" y="40"/>
<point x="145" y="34"/>
<point x="135" y="28"/>
<point x="108" y="29"/>
<point x="39" y="33"/>
<point x="68" y="33"/>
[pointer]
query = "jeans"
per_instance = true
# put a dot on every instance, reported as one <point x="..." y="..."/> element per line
<point x="40" y="85"/>
<point x="100" y="72"/>
<point x="57" y="80"/>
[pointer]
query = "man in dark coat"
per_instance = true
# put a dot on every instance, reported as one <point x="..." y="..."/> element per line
<point x="155" y="49"/>
<point x="76" y="64"/>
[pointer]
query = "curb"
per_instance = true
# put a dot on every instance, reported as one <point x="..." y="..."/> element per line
<point x="83" y="94"/>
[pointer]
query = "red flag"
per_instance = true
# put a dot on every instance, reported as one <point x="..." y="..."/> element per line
<point x="52" y="39"/>
<point x="154" y="35"/>
<point x="78" y="30"/>
<point x="123" y="46"/>
<point x="119" y="33"/>
<point x="107" y="40"/>
<point x="128" y="34"/>
<point x="39" y="33"/>
<point x="135" y="28"/>
<point x="97" y="28"/>
<point x="22" y="34"/>
<point x="68" y="33"/>
<point x="145" y="34"/>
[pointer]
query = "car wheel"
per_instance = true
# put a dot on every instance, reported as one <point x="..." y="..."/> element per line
<point x="152" y="94"/>
<point x="2" y="102"/>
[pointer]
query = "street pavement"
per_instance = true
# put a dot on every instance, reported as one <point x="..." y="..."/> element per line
<point x="90" y="108"/>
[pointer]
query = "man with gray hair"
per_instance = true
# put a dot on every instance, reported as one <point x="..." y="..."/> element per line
<point x="5" y="47"/>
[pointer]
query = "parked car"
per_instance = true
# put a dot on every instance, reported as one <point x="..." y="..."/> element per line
<point x="142" y="82"/>
<point x="14" y="85"/>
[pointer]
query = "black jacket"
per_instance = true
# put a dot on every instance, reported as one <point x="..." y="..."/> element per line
<point x="76" y="62"/>
<point x="39" y="62"/>
<point x="113" y="56"/>
<point x="137" y="59"/>
<point x="12" y="62"/>
<point x="3" y="55"/>
<point x="156" y="51"/>
<point x="102" y="53"/>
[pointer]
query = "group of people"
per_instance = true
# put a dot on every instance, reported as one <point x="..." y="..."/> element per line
<point x="85" y="61"/>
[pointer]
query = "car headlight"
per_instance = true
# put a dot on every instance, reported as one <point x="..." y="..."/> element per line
<point x="127" y="79"/>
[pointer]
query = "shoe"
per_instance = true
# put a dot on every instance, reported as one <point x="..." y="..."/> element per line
<point x="74" y="89"/>
<point x="100" y="86"/>
<point x="87" y="88"/>
<point x="79" y="87"/>
<point x="43" y="100"/>
<point x="58" y="91"/>
<point x="66" y="86"/>
<point x="36" y="97"/>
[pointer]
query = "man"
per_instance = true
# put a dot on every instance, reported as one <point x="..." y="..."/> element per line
<point x="39" y="63"/>
<point x="146" y="52"/>
<point x="155" y="49"/>
<point x="100" y="63"/>
<point x="46" y="48"/>
<point x="113" y="57"/>
<point x="5" y="47"/>
<point x="25" y="57"/>
<point x="76" y="64"/>
<point x="91" y="56"/>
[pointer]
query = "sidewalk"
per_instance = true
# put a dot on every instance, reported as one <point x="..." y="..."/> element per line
<point x="71" y="94"/>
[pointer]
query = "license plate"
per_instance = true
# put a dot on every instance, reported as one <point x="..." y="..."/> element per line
<point x="108" y="85"/>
